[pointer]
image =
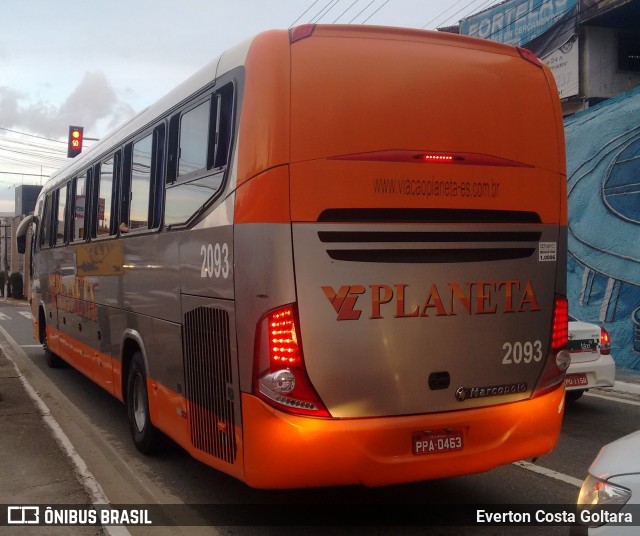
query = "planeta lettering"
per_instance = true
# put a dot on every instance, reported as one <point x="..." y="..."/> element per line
<point x="74" y="295"/>
<point x="401" y="300"/>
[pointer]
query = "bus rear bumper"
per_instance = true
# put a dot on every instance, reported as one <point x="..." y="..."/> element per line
<point x="285" y="451"/>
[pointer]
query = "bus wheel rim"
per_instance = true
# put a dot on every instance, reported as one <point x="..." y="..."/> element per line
<point x="139" y="404"/>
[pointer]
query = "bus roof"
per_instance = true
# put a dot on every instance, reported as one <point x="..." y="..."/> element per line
<point x="236" y="56"/>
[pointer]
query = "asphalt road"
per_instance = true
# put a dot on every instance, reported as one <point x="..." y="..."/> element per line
<point x="96" y="424"/>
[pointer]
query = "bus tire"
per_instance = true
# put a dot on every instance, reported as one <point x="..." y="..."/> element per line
<point x="52" y="360"/>
<point x="572" y="396"/>
<point x="145" y="435"/>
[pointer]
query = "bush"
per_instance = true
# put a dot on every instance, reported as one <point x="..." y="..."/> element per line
<point x="17" y="285"/>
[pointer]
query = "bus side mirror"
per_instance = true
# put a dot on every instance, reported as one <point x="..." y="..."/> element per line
<point x="21" y="243"/>
<point x="21" y="233"/>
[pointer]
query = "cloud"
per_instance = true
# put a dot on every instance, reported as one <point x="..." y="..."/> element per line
<point x="92" y="101"/>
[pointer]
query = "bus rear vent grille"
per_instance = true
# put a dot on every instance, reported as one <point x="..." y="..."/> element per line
<point x="209" y="386"/>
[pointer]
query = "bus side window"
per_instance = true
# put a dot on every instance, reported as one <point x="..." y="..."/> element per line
<point x="104" y="186"/>
<point x="223" y="122"/>
<point x="194" y="133"/>
<point x="199" y="146"/>
<point x="61" y="215"/>
<point x="134" y="208"/>
<point x="140" y="184"/>
<point x="78" y="232"/>
<point x="124" y="190"/>
<point x="157" y="175"/>
<point x="45" y="225"/>
<point x="143" y="171"/>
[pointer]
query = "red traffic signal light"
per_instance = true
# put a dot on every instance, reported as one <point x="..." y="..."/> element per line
<point x="74" y="144"/>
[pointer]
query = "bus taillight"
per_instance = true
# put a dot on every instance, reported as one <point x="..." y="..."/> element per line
<point x="560" y="335"/>
<point x="559" y="358"/>
<point x="437" y="158"/>
<point x="298" y="33"/>
<point x="529" y="56"/>
<point x="283" y="338"/>
<point x="279" y="375"/>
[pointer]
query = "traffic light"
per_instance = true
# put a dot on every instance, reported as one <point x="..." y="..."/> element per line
<point x="74" y="145"/>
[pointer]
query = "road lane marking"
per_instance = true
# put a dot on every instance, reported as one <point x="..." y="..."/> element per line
<point x="30" y="346"/>
<point x="614" y="399"/>
<point x="26" y="314"/>
<point x="560" y="476"/>
<point x="550" y="473"/>
<point x="4" y="317"/>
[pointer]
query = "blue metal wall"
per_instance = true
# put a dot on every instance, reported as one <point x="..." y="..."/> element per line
<point x="603" y="170"/>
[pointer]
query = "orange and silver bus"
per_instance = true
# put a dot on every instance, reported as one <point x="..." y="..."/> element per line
<point x="335" y="255"/>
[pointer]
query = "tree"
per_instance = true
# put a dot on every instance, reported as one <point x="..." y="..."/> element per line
<point x="16" y="284"/>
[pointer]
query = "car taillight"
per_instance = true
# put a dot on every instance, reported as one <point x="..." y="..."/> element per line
<point x="279" y="374"/>
<point x="559" y="357"/>
<point x="605" y="342"/>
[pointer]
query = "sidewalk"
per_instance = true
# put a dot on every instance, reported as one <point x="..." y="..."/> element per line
<point x="33" y="468"/>
<point x="627" y="381"/>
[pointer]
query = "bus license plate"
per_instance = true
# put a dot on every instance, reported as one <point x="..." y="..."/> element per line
<point x="437" y="441"/>
<point x="576" y="380"/>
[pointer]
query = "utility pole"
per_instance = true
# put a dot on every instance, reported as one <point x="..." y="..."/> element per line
<point x="6" y="258"/>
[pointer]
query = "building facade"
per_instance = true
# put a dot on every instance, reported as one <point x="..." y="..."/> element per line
<point x="591" y="46"/>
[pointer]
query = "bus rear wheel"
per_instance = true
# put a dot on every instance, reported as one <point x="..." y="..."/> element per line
<point x="145" y="436"/>
<point x="572" y="396"/>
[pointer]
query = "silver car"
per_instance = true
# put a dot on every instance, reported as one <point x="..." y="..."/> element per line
<point x="610" y="495"/>
<point x="591" y="361"/>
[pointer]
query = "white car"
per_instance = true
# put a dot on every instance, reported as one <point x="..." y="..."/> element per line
<point x="609" y="499"/>
<point x="591" y="361"/>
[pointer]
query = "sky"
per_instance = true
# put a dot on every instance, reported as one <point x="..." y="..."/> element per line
<point x="96" y="64"/>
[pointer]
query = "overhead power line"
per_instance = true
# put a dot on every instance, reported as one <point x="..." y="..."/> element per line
<point x="304" y="13"/>
<point x="25" y="174"/>
<point x="446" y="11"/>
<point x="31" y="135"/>
<point x="345" y="11"/>
<point x="362" y="11"/>
<point x="325" y="10"/>
<point x="372" y="14"/>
